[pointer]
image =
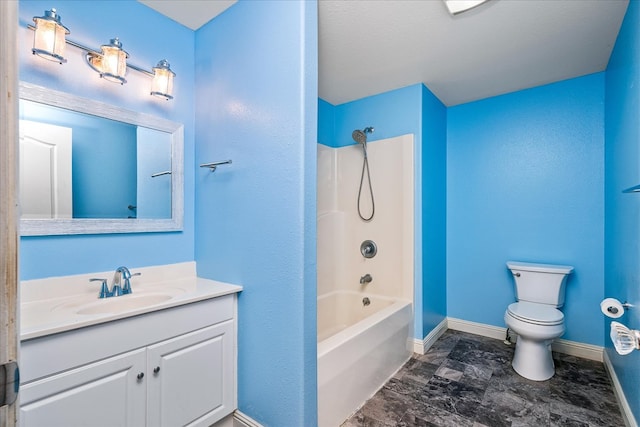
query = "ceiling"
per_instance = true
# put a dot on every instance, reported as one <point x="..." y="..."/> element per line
<point x="368" y="47"/>
<point x="190" y="13"/>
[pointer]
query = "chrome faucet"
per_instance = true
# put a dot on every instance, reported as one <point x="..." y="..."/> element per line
<point x="122" y="281"/>
<point x="121" y="274"/>
<point x="366" y="279"/>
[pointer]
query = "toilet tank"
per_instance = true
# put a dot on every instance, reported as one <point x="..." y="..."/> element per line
<point x="540" y="283"/>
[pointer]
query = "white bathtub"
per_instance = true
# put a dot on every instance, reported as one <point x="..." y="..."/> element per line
<point x="359" y="349"/>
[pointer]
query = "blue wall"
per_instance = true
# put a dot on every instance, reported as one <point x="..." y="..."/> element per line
<point x="409" y="110"/>
<point x="256" y="104"/>
<point x="525" y="175"/>
<point x="434" y="213"/>
<point x="326" y="123"/>
<point x="392" y="113"/>
<point x="148" y="37"/>
<point x="622" y="227"/>
<point x="490" y="148"/>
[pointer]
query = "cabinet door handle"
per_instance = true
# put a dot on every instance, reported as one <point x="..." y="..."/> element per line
<point x="156" y="370"/>
<point x="140" y="376"/>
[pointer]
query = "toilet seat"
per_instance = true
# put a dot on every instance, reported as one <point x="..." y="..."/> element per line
<point x="537" y="314"/>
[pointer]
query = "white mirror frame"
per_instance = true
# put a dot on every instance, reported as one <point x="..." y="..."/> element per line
<point x="47" y="227"/>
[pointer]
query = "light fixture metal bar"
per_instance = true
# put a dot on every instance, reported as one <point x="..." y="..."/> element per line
<point x="142" y="70"/>
<point x="83" y="47"/>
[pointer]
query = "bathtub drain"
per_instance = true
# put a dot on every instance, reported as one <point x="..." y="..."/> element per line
<point x="366" y="301"/>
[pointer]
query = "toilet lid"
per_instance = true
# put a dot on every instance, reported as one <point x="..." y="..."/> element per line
<point x="539" y="314"/>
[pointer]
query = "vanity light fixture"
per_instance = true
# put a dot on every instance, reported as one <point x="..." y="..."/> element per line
<point x="49" y="38"/>
<point x="162" y="84"/>
<point x="111" y="62"/>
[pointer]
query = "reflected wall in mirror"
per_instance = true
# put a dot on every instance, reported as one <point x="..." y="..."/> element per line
<point x="87" y="167"/>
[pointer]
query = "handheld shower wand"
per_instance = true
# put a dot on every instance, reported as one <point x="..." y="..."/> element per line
<point x="360" y="136"/>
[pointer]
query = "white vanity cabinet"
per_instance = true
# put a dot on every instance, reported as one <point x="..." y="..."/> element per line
<point x="106" y="393"/>
<point x="172" y="367"/>
<point x="188" y="378"/>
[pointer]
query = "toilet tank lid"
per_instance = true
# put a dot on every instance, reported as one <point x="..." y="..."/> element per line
<point x="545" y="268"/>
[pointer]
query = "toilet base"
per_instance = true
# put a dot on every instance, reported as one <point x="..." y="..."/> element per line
<point x="533" y="359"/>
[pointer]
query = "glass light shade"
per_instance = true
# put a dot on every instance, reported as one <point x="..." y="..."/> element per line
<point x="162" y="84"/>
<point x="113" y="64"/>
<point x="625" y="340"/>
<point x="49" y="38"/>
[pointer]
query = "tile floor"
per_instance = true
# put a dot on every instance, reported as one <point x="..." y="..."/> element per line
<point x="467" y="380"/>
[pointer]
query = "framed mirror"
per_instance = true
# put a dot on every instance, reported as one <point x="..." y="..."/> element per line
<point x="87" y="167"/>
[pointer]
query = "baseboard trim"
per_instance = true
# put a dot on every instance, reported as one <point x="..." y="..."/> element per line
<point x="578" y="349"/>
<point x="627" y="413"/>
<point x="244" y="420"/>
<point x="421" y="346"/>
<point x="476" y="328"/>
<point x="572" y="348"/>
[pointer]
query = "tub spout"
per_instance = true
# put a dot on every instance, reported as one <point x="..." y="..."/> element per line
<point x="366" y="279"/>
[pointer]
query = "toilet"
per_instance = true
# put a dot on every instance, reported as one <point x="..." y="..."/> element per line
<point x="535" y="318"/>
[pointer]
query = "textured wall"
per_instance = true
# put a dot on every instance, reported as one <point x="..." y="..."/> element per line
<point x="525" y="175"/>
<point x="622" y="224"/>
<point x="434" y="211"/>
<point x="256" y="104"/>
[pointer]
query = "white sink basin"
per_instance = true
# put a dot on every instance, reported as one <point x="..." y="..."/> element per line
<point x="65" y="303"/>
<point x="118" y="304"/>
<point x="122" y="303"/>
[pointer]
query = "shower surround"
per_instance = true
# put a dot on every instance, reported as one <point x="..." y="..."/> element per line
<point x="364" y="327"/>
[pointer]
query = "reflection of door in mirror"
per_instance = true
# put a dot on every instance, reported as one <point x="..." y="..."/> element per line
<point x="45" y="170"/>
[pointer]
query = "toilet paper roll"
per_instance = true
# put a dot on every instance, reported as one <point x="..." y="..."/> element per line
<point x="611" y="307"/>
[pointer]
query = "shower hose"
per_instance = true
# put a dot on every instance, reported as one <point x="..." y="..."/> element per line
<point x="365" y="165"/>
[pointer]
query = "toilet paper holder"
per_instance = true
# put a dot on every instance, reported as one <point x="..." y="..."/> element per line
<point x="614" y="310"/>
<point x="611" y="307"/>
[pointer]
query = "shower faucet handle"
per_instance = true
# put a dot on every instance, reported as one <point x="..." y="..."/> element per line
<point x="366" y="279"/>
<point x="368" y="249"/>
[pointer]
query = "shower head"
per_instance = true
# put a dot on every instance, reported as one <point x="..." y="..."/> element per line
<point x="359" y="136"/>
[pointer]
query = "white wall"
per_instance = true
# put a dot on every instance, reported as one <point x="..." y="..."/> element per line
<point x="341" y="231"/>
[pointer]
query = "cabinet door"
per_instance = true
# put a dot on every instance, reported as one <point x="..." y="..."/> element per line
<point x="192" y="378"/>
<point x="106" y="393"/>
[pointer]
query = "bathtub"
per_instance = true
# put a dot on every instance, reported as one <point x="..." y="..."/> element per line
<point x="359" y="348"/>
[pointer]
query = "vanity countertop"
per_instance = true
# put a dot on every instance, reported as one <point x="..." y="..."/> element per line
<point x="61" y="304"/>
